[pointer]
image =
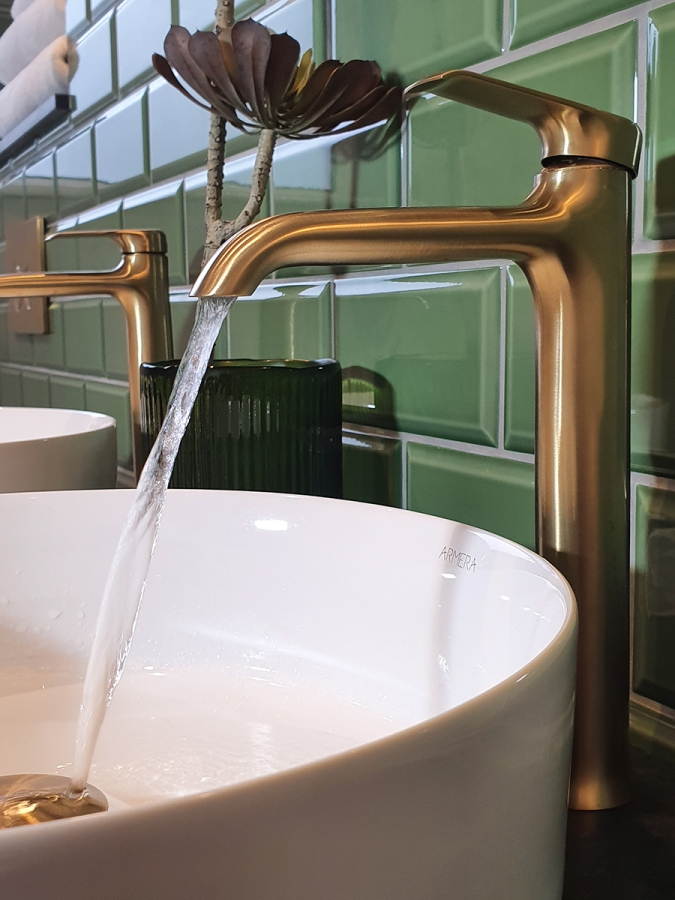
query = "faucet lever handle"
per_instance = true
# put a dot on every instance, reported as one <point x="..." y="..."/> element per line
<point x="565" y="128"/>
<point x="129" y="240"/>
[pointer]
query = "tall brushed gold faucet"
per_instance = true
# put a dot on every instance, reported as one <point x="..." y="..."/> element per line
<point x="571" y="238"/>
<point x="140" y="283"/>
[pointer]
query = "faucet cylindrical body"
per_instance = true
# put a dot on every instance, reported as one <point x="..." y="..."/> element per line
<point x="571" y="238"/>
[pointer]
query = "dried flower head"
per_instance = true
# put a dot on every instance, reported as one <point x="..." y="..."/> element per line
<point x="256" y="80"/>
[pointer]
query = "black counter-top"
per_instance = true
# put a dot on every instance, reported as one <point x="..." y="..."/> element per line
<point x="626" y="853"/>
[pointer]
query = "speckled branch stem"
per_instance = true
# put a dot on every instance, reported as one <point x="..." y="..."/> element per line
<point x="259" y="181"/>
<point x="215" y="155"/>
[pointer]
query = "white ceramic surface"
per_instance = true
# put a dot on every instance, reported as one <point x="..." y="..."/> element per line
<point x="56" y="450"/>
<point x="289" y="629"/>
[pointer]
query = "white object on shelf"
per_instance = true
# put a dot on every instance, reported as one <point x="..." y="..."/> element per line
<point x="48" y="74"/>
<point x="43" y="22"/>
<point x="18" y="7"/>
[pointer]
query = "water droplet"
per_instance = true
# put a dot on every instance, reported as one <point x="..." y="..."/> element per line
<point x="82" y="615"/>
<point x="54" y="613"/>
<point x="18" y="571"/>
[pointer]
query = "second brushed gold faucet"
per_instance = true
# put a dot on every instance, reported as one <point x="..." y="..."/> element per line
<point x="141" y="285"/>
<point x="571" y="238"/>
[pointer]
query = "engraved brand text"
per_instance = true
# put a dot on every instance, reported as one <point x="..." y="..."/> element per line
<point x="461" y="560"/>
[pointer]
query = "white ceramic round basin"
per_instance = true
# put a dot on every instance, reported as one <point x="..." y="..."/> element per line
<point x="324" y="701"/>
<point x="56" y="450"/>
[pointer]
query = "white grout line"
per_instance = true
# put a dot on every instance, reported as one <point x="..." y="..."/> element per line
<point x="632" y="493"/>
<point x="640" y="118"/>
<point x="331" y="27"/>
<point x="63" y="373"/>
<point x="506" y="25"/>
<point x="652" y="706"/>
<point x="501" y="427"/>
<point x="653" y="481"/>
<point x="333" y="320"/>
<point x="405" y="125"/>
<point x="443" y="443"/>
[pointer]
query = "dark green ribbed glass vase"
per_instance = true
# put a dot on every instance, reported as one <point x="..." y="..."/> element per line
<point x="257" y="425"/>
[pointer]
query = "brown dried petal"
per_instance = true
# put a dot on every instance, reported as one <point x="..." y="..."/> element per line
<point x="176" y="45"/>
<point x="349" y="113"/>
<point x="384" y="108"/>
<point x="163" y="68"/>
<point x="251" y="43"/>
<point x="205" y="50"/>
<point x="339" y="92"/>
<point x="315" y="86"/>
<point x="281" y="68"/>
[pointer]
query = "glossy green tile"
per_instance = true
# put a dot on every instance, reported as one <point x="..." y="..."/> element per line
<point x="141" y="28"/>
<point x="10" y="387"/>
<point x="182" y="320"/>
<point x="114" y="340"/>
<point x="495" y="494"/>
<point x="66" y="392"/>
<point x="422" y="353"/>
<point x="535" y="19"/>
<point x="77" y="17"/>
<point x="120" y="138"/>
<point x="366" y="171"/>
<point x="20" y="348"/>
<point x="418" y="39"/>
<point x="83" y="331"/>
<point x="35" y="389"/>
<point x="195" y="229"/>
<point x="653" y="364"/>
<point x="161" y="208"/>
<point x="113" y="401"/>
<point x="98" y="7"/>
<point x="297" y="18"/>
<point x="75" y="174"/>
<point x="198" y="15"/>
<point x="13" y="201"/>
<point x="286" y="322"/>
<point x="4" y="346"/>
<point x="49" y="349"/>
<point x="178" y="131"/>
<point x="40" y="188"/>
<point x="461" y="156"/>
<point x="520" y="364"/>
<point x="371" y="469"/>
<point x="301" y="176"/>
<point x="654" y="603"/>
<point x="659" y="165"/>
<point x="95" y="81"/>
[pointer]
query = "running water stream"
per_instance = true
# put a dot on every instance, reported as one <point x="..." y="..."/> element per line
<point x="126" y="580"/>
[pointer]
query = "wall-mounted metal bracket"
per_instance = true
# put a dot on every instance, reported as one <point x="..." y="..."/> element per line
<point x="25" y="252"/>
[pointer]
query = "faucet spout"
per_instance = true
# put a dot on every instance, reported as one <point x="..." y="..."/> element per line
<point x="571" y="238"/>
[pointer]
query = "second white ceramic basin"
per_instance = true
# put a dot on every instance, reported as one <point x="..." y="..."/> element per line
<point x="56" y="450"/>
<point x="324" y="701"/>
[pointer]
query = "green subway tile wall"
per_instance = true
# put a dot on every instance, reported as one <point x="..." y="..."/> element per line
<point x="438" y="362"/>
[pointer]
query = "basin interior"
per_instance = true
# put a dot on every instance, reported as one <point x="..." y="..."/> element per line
<point x="19" y="424"/>
<point x="275" y="631"/>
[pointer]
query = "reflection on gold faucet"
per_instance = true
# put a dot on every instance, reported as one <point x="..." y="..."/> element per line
<point x="140" y="283"/>
<point x="571" y="238"/>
